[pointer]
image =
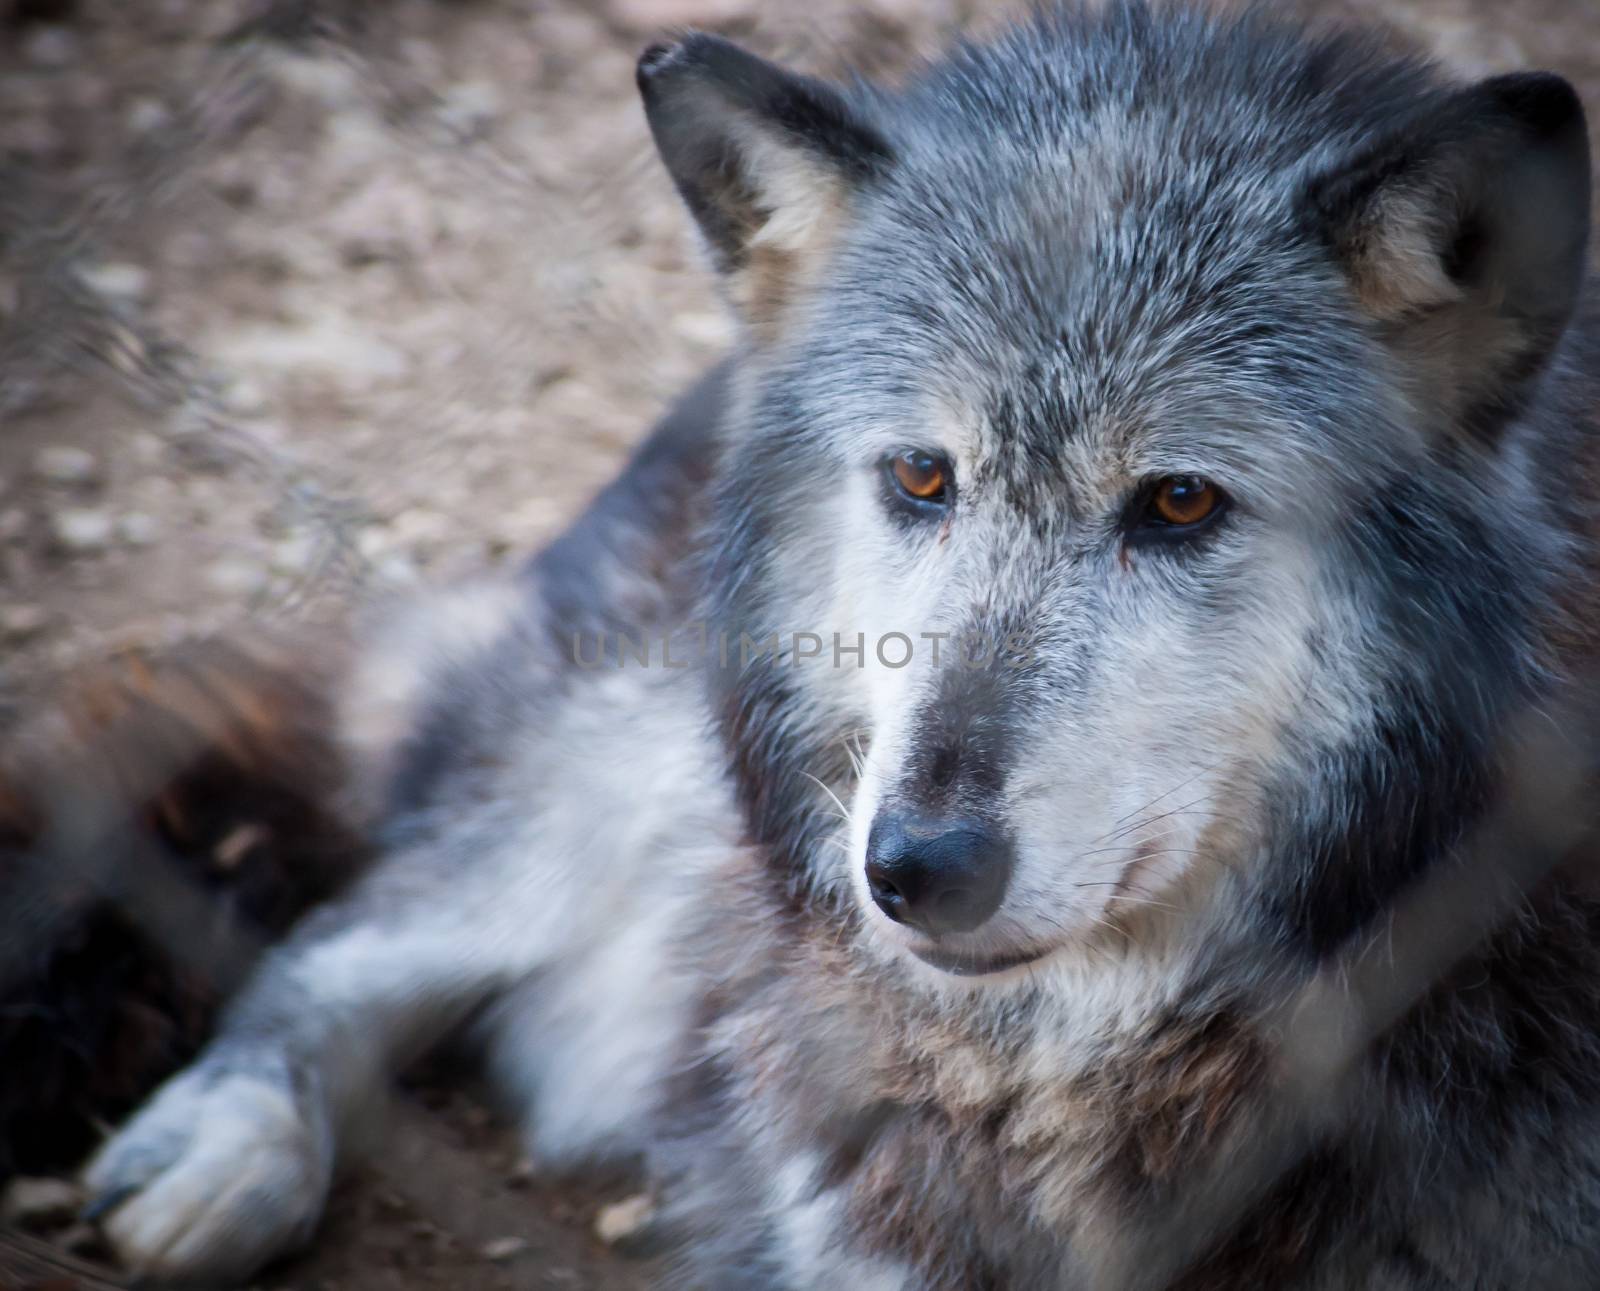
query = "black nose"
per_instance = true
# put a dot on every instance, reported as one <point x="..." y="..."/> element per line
<point x="939" y="875"/>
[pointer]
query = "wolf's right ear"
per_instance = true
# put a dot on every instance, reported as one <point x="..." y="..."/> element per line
<point x="1464" y="235"/>
<point x="767" y="160"/>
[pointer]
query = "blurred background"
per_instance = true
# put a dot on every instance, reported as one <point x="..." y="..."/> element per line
<point x="303" y="302"/>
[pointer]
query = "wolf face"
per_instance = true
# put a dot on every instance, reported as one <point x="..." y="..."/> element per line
<point x="1145" y="417"/>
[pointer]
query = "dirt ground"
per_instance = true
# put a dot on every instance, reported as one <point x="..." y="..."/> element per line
<point x="303" y="303"/>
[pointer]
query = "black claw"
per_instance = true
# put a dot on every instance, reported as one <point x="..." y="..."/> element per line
<point x="106" y="1202"/>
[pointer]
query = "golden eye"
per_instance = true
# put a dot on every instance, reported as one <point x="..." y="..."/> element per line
<point x="1183" y="500"/>
<point x="921" y="475"/>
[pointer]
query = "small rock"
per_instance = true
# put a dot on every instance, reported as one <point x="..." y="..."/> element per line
<point x="236" y="576"/>
<point x="243" y="397"/>
<point x="203" y="496"/>
<point x="396" y="570"/>
<point x="504" y="1249"/>
<point x="50" y="47"/>
<point x="138" y="529"/>
<point x="624" y="1219"/>
<point x="374" y="541"/>
<point x="148" y="116"/>
<point x="421" y="524"/>
<point x="115" y="280"/>
<point x="64" y="464"/>
<point x="295" y="554"/>
<point x="80" y="530"/>
<point x="327" y="80"/>
<point x="40" y="1203"/>
<point x="469" y="107"/>
<point x="323" y="347"/>
<point x="20" y="623"/>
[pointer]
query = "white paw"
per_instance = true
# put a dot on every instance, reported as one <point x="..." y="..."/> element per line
<point x="217" y="1174"/>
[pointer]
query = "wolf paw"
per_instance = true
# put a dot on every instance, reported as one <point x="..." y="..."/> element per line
<point x="213" y="1177"/>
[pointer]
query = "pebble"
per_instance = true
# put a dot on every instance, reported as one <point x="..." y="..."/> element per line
<point x="325" y="346"/>
<point x="236" y="576"/>
<point x="469" y="107"/>
<point x="20" y="623"/>
<point x="395" y="570"/>
<point x="39" y="1203"/>
<point x="419" y="525"/>
<point x="295" y="554"/>
<point x="115" y="280"/>
<point x="138" y="529"/>
<point x="624" y="1219"/>
<point x="327" y="80"/>
<point x="243" y="397"/>
<point x="147" y="116"/>
<point x="504" y="1249"/>
<point x="374" y="541"/>
<point x="50" y="47"/>
<point x="64" y="464"/>
<point x="79" y="530"/>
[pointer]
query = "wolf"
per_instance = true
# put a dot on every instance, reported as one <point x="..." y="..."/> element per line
<point x="1025" y="780"/>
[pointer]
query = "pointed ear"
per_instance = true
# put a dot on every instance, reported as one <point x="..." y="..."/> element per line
<point x="1465" y="236"/>
<point x="766" y="160"/>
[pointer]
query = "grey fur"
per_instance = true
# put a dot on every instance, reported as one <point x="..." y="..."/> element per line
<point x="1110" y="247"/>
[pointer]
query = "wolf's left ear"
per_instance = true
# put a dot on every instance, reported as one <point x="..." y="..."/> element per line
<point x="766" y="160"/>
<point x="1465" y="236"/>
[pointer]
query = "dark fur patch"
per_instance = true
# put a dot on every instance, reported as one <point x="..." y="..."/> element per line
<point x="208" y="783"/>
<point x="1456" y="611"/>
<point x="1281" y="1237"/>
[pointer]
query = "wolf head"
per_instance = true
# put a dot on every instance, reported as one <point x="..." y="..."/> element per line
<point x="1140" y="466"/>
